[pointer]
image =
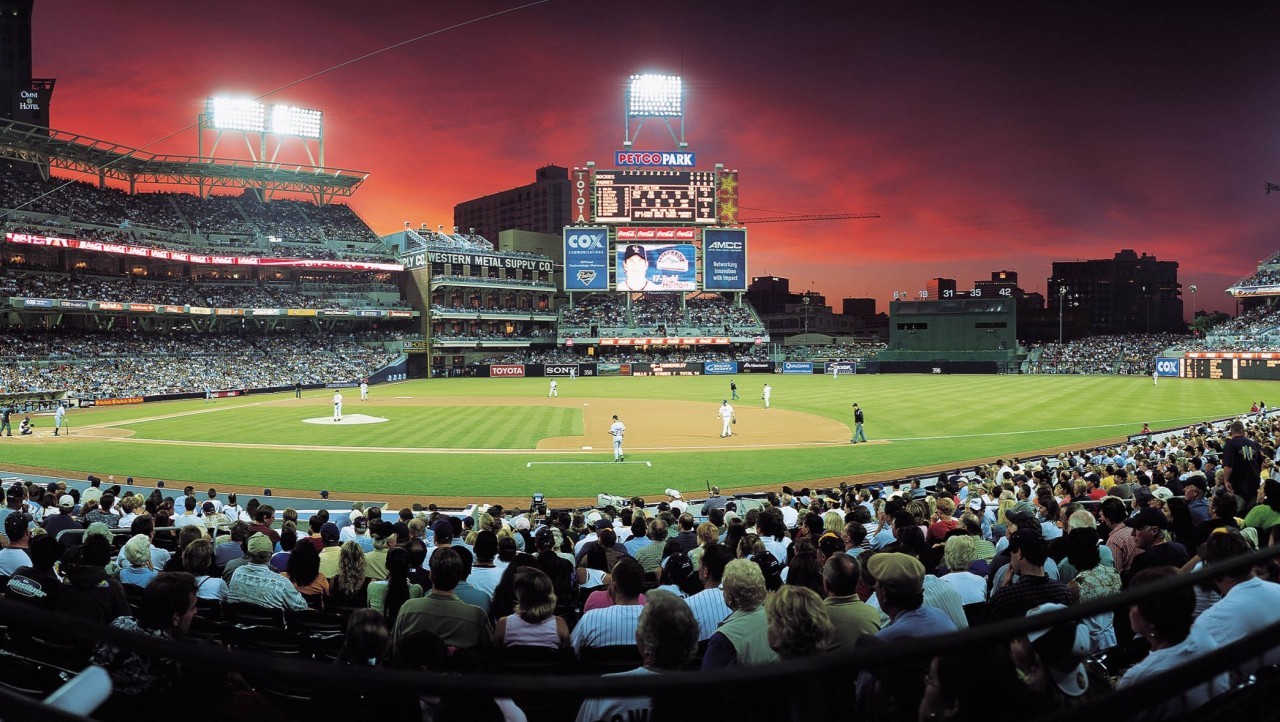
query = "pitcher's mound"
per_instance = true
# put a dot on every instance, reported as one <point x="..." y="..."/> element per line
<point x="347" y="419"/>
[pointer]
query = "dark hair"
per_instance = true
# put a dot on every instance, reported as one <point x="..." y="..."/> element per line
<point x="1225" y="504"/>
<point x="628" y="577"/>
<point x="1169" y="613"/>
<point x="169" y="593"/>
<point x="805" y="570"/>
<point x="446" y="569"/>
<point x="1271" y="494"/>
<point x="417" y="549"/>
<point x="366" y="639"/>
<point x="143" y="525"/>
<point x="1082" y="548"/>
<point x="841" y="574"/>
<point x="714" y="558"/>
<point x="486" y="546"/>
<point x="303" y="565"/>
<point x="1113" y="510"/>
<point x="44" y="551"/>
<point x="289" y="538"/>
<point x="397" y="581"/>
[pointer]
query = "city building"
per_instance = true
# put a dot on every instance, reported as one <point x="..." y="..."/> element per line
<point x="1128" y="293"/>
<point x="541" y="206"/>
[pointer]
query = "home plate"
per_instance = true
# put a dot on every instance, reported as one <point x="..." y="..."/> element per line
<point x="347" y="420"/>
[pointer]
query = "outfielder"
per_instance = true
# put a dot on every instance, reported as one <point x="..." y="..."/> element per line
<point x="364" y="390"/>
<point x="768" y="391"/>
<point x="616" y="430"/>
<point x="57" y="418"/>
<point x="553" y="393"/>
<point x="726" y="419"/>
<point x="337" y="406"/>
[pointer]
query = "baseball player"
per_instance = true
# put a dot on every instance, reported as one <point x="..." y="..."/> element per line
<point x="768" y="391"/>
<point x="616" y="430"/>
<point x="364" y="390"/>
<point x="553" y="393"/>
<point x="858" y="418"/>
<point x="1155" y="378"/>
<point x="57" y="418"/>
<point x="208" y="394"/>
<point x="337" y="405"/>
<point x="733" y="390"/>
<point x="726" y="419"/>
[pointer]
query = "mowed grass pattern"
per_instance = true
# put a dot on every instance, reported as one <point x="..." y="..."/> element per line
<point x="929" y="421"/>
<point x="451" y="427"/>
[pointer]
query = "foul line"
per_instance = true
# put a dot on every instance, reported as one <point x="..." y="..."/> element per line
<point x="546" y="463"/>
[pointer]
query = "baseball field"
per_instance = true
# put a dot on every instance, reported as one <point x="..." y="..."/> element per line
<point x="492" y="439"/>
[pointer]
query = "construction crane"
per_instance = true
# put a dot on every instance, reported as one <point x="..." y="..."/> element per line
<point x="1272" y="187"/>
<point x="809" y="217"/>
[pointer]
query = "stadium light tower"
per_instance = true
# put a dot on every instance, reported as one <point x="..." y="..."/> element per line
<point x="651" y="95"/>
<point x="1062" y="297"/>
<point x="248" y="118"/>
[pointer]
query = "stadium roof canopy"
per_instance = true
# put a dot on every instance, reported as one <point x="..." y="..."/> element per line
<point x="49" y="148"/>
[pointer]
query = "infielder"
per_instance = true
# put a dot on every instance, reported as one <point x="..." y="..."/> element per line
<point x="553" y="392"/>
<point x="57" y="418"/>
<point x="726" y="419"/>
<point x="616" y="430"/>
<point x="337" y="406"/>
<point x="364" y="390"/>
<point x="768" y="391"/>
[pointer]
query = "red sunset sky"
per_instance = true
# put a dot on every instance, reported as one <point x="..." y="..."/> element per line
<point x="990" y="135"/>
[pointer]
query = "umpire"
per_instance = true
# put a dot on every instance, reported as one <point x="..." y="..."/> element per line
<point x="5" y="429"/>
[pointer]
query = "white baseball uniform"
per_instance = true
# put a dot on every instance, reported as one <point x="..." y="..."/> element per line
<point x="726" y="419"/>
<point x="553" y="391"/>
<point x="768" y="391"/>
<point x="616" y="431"/>
<point x="337" y="406"/>
<point x="1155" y="378"/>
<point x="364" y="391"/>
<point x="57" y="418"/>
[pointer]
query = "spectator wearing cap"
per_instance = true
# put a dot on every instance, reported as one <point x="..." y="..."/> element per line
<point x="899" y="590"/>
<point x="1051" y="661"/>
<point x="256" y="583"/>
<point x="615" y="624"/>
<point x="850" y="616"/>
<point x="708" y="605"/>
<point x="742" y="639"/>
<point x="1165" y="622"/>
<point x="677" y="502"/>
<point x="38" y="583"/>
<point x="1194" y="490"/>
<point x="1151" y="535"/>
<point x="64" y="520"/>
<point x="382" y="535"/>
<point x="666" y="637"/>
<point x="331" y="551"/>
<point x="440" y="612"/>
<point x="15" y="556"/>
<point x="442" y="533"/>
<point x="213" y="518"/>
<point x="1027" y="554"/>
<point x="137" y="554"/>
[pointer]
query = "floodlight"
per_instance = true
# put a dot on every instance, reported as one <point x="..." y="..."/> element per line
<point x="655" y="96"/>
<point x="237" y="114"/>
<point x="288" y="120"/>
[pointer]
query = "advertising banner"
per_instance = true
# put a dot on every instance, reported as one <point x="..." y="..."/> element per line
<point x="142" y="307"/>
<point x="400" y="314"/>
<point x="1169" y="366"/>
<point x="797" y="367"/>
<point x="720" y="367"/>
<point x="727" y="197"/>
<point x="295" y="311"/>
<point x="724" y="259"/>
<point x="649" y="233"/>
<point x="560" y="370"/>
<point x="506" y="371"/>
<point x="342" y="385"/>
<point x="173" y="309"/>
<point x="586" y="259"/>
<point x="265" y="311"/>
<point x="415" y="346"/>
<point x="37" y="303"/>
<point x="580" y="196"/>
<point x="114" y="306"/>
<point x="227" y="394"/>
<point x="652" y="158"/>
<point x="118" y="402"/>
<point x="844" y="367"/>
<point x="182" y="257"/>
<point x="200" y="311"/>
<point x="668" y="369"/>
<point x="73" y="304"/>
<point x="757" y="367"/>
<point x="226" y="311"/>
<point x="657" y="267"/>
<point x="603" y="369"/>
<point x="667" y="341"/>
<point x="487" y="260"/>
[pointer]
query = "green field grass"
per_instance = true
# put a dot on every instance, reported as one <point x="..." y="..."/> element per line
<point x="928" y="420"/>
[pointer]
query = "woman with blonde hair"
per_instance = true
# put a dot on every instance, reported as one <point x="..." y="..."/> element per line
<point x="707" y="534"/>
<point x="534" y="622"/>
<point x="832" y="523"/>
<point x="350" y="586"/>
<point x="798" y="625"/>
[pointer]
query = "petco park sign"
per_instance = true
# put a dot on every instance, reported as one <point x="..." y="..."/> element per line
<point x="653" y="158"/>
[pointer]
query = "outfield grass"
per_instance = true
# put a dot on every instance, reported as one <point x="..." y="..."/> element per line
<point x="929" y="420"/>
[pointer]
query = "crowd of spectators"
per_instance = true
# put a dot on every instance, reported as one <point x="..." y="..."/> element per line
<point x="660" y="314"/>
<point x="446" y="279"/>
<point x="1254" y="330"/>
<point x="728" y="582"/>
<point x="624" y="354"/>
<point x="491" y="310"/>
<point x="136" y="289"/>
<point x="124" y="364"/>
<point x="1113" y="354"/>
<point x="1263" y="277"/>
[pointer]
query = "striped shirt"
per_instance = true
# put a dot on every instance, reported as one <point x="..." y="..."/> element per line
<point x="608" y="627"/>
<point x="709" y="609"/>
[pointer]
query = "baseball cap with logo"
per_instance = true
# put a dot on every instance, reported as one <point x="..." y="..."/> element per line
<point x="329" y="532"/>
<point x="1062" y="648"/>
<point x="1147" y="517"/>
<point x="634" y="250"/>
<point x="260" y="543"/>
<point x="66" y="502"/>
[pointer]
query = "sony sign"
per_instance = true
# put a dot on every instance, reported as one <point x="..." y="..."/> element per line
<point x="560" y="370"/>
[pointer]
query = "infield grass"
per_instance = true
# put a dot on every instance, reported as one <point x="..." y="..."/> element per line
<point x="928" y="420"/>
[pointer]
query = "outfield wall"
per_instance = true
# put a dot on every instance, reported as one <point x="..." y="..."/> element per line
<point x="725" y="368"/>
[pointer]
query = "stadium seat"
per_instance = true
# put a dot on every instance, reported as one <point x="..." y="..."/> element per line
<point x="604" y="660"/>
<point x="29" y="677"/>
<point x="540" y="660"/>
<point x="242" y="613"/>
<point x="313" y="621"/>
<point x="975" y="613"/>
<point x="209" y="609"/>
<point x="265" y="639"/>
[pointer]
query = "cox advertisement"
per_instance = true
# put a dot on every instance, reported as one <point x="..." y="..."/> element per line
<point x="720" y="367"/>
<point x="797" y="367"/>
<point x="1169" y="366"/>
<point x="657" y="267"/>
<point x="725" y="259"/>
<point x="586" y="259"/>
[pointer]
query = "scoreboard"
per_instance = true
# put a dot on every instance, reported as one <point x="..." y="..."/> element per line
<point x="1207" y="368"/>
<point x="623" y="196"/>
<point x="1258" y="369"/>
<point x="1263" y="369"/>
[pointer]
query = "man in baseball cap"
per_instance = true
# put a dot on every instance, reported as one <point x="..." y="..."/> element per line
<point x="255" y="582"/>
<point x="899" y="588"/>
<point x="1150" y="533"/>
<point x="64" y="520"/>
<point x="1052" y="659"/>
<point x="635" y="267"/>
